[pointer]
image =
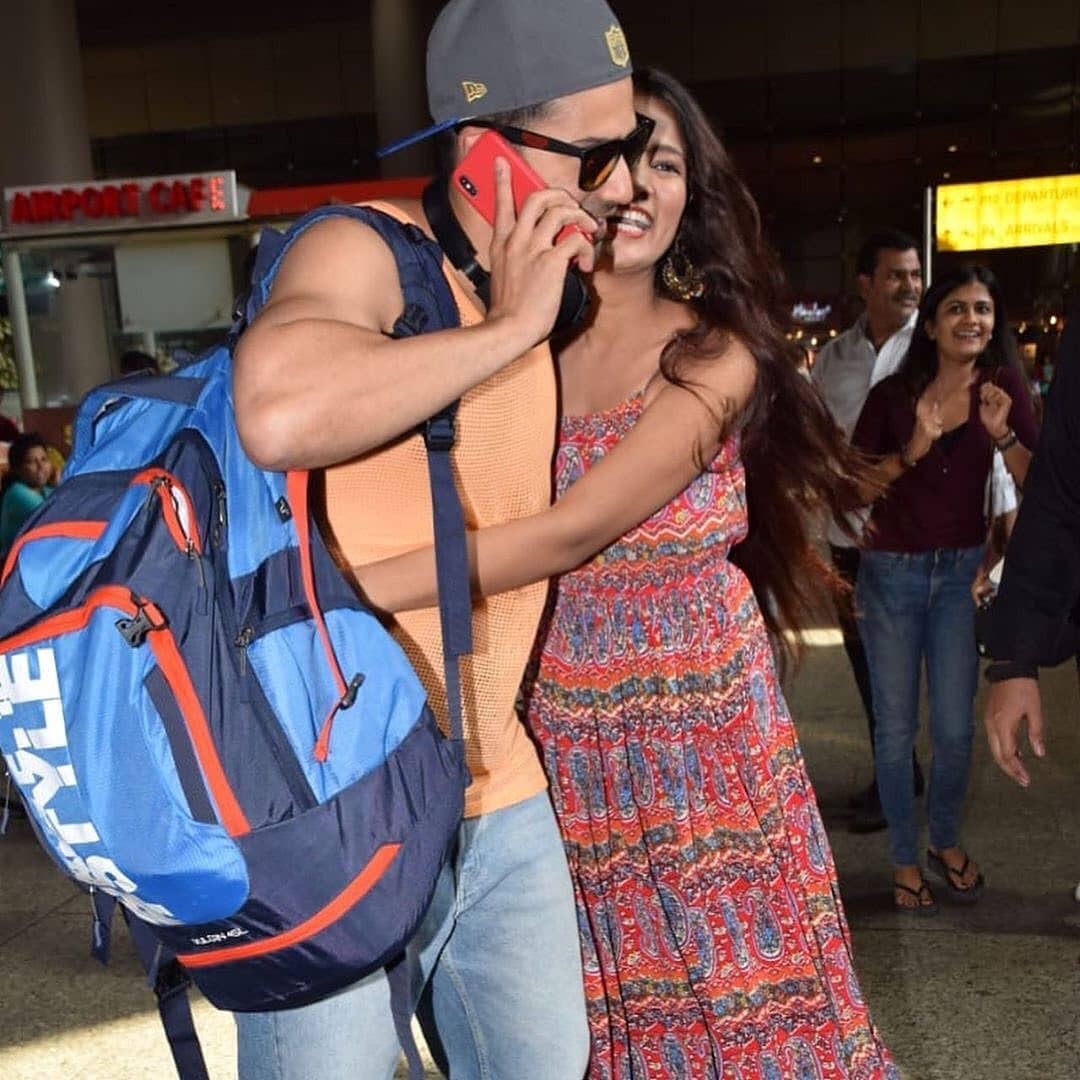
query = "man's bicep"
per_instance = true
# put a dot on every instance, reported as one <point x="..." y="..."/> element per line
<point x="340" y="270"/>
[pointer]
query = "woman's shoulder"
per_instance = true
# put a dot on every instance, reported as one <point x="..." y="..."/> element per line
<point x="18" y="492"/>
<point x="1005" y="376"/>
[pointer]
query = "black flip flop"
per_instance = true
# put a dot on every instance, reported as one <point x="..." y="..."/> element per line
<point x="920" y="908"/>
<point x="946" y="873"/>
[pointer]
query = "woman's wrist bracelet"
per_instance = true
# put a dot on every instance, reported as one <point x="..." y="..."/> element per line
<point x="1006" y="442"/>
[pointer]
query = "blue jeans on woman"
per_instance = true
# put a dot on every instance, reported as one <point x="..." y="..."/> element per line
<point x="912" y="606"/>
<point x="498" y="954"/>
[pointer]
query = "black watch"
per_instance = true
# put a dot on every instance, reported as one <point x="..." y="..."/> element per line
<point x="1007" y="442"/>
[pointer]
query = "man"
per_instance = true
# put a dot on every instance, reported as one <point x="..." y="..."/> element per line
<point x="890" y="284"/>
<point x="1035" y="619"/>
<point x="318" y="383"/>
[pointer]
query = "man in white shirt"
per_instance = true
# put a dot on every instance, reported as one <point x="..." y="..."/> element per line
<point x="890" y="284"/>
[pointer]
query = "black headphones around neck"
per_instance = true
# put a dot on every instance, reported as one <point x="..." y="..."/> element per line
<point x="460" y="251"/>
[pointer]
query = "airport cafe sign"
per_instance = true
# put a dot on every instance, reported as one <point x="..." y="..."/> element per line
<point x="1009" y="214"/>
<point x="97" y="206"/>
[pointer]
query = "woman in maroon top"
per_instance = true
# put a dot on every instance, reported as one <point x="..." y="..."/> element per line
<point x="934" y="426"/>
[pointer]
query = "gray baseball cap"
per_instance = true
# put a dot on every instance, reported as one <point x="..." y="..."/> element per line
<point x="493" y="56"/>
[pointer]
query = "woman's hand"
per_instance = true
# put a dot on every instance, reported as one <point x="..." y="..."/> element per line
<point x="994" y="407"/>
<point x="929" y="426"/>
<point x="982" y="588"/>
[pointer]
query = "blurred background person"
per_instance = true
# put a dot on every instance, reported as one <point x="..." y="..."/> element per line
<point x="890" y="285"/>
<point x="137" y="362"/>
<point x="25" y="485"/>
<point x="935" y="425"/>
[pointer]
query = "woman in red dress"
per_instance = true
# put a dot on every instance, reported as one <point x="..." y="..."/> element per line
<point x="692" y="454"/>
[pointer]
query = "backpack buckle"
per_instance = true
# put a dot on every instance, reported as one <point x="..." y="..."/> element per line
<point x="410" y="322"/>
<point x="135" y="629"/>
<point x="439" y="433"/>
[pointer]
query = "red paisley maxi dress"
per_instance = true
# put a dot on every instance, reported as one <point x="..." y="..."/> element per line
<point x="714" y="943"/>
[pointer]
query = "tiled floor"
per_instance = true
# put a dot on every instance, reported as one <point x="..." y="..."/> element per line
<point x="992" y="991"/>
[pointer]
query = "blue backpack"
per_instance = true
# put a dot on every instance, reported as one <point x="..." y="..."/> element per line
<point x="204" y="720"/>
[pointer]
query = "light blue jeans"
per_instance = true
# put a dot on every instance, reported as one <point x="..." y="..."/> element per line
<point x="910" y="607"/>
<point x="498" y="953"/>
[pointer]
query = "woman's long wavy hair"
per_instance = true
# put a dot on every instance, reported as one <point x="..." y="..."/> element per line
<point x="920" y="366"/>
<point x="799" y="466"/>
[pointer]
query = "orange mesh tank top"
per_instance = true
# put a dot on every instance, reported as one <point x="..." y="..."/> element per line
<point x="380" y="505"/>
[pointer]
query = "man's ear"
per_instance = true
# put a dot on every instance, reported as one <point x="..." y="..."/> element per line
<point x="863" y="283"/>
<point x="466" y="137"/>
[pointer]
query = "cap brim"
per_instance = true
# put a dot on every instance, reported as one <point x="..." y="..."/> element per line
<point x="418" y="136"/>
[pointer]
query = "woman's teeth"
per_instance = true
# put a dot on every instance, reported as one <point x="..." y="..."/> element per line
<point x="631" y="222"/>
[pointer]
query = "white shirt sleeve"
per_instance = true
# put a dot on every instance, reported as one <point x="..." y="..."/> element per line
<point x="1001" y="494"/>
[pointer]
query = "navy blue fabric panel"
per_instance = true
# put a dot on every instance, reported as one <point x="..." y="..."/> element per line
<point x="277" y="587"/>
<point x="183" y="752"/>
<point x="17" y="610"/>
<point x="333" y="588"/>
<point x="296" y="869"/>
<point x="104" y="398"/>
<point x="257" y="757"/>
<point x="89" y="496"/>
<point x="183" y="391"/>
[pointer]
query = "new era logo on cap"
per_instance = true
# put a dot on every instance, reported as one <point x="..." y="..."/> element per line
<point x="473" y="91"/>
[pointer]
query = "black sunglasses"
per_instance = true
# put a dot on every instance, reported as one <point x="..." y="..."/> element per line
<point x="597" y="162"/>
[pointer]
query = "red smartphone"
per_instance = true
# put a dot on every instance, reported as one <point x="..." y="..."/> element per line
<point x="475" y="179"/>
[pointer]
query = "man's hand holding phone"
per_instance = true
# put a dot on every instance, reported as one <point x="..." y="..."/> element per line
<point x="529" y="262"/>
<point x="539" y="235"/>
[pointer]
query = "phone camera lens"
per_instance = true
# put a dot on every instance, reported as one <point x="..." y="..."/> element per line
<point x="467" y="184"/>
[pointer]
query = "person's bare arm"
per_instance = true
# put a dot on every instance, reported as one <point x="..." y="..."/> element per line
<point x="1018" y="461"/>
<point x="317" y="380"/>
<point x="995" y="408"/>
<point x="654" y="463"/>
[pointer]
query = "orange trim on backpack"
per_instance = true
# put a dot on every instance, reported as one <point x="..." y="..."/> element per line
<point x="71" y="530"/>
<point x="181" y="537"/>
<point x="325" y="917"/>
<point x="163" y="646"/>
<point x="172" y="665"/>
<point x="296" y="490"/>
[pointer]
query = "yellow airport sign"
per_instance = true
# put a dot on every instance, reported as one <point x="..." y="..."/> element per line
<point x="1009" y="213"/>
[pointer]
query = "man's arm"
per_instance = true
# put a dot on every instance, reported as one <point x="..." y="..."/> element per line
<point x="650" y="466"/>
<point x="317" y="380"/>
<point x="1040" y="588"/>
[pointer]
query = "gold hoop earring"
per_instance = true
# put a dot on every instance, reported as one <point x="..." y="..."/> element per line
<point x="683" y="281"/>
